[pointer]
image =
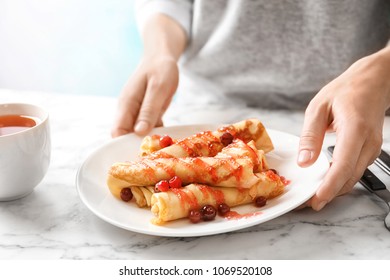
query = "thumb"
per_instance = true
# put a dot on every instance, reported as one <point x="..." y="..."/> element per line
<point x="147" y="118"/>
<point x="312" y="136"/>
<point x="156" y="101"/>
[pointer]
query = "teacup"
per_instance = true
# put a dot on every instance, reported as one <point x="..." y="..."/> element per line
<point x="25" y="148"/>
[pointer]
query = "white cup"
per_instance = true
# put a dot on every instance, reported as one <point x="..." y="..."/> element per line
<point x="24" y="155"/>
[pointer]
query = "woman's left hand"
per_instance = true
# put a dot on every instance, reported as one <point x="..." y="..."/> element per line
<point x="353" y="106"/>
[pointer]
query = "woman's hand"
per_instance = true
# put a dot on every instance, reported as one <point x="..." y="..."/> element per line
<point x="146" y="96"/>
<point x="353" y="106"/>
<point x="148" y="92"/>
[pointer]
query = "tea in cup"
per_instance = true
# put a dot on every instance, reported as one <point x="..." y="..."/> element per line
<point x="25" y="148"/>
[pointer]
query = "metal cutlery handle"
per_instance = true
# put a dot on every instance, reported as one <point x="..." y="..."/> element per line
<point x="368" y="180"/>
<point x="383" y="161"/>
<point x="371" y="182"/>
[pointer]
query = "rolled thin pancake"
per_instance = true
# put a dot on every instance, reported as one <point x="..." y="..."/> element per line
<point x="150" y="144"/>
<point x="177" y="203"/>
<point x="227" y="172"/>
<point x="234" y="166"/>
<point x="142" y="195"/>
<point x="235" y="174"/>
<point x="208" y="143"/>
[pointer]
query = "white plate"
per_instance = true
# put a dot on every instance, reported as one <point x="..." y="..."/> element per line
<point x="93" y="191"/>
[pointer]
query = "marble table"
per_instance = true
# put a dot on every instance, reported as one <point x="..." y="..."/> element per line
<point x="53" y="223"/>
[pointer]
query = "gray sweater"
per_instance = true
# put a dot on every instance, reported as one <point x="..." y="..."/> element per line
<point x="271" y="54"/>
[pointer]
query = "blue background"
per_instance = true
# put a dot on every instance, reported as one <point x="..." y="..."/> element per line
<point x="68" y="46"/>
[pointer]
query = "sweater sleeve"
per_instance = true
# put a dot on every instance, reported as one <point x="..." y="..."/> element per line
<point x="178" y="10"/>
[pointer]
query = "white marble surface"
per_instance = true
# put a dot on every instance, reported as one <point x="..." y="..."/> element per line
<point x="53" y="223"/>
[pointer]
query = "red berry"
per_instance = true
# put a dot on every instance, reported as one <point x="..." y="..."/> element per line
<point x="274" y="171"/>
<point x="162" y="186"/>
<point x="223" y="209"/>
<point x="165" y="141"/>
<point x="126" y="194"/>
<point x="260" y="201"/>
<point x="175" y="182"/>
<point x="208" y="212"/>
<point x="226" y="138"/>
<point x="195" y="216"/>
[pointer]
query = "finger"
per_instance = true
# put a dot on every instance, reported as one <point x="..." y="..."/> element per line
<point x="368" y="155"/>
<point x="312" y="136"/>
<point x="303" y="206"/>
<point x="348" y="159"/>
<point x="129" y="104"/>
<point x="153" y="107"/>
<point x="159" y="122"/>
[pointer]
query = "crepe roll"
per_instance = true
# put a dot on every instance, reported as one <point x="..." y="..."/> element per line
<point x="250" y="129"/>
<point x="208" y="143"/>
<point x="152" y="143"/>
<point x="234" y="166"/>
<point x="225" y="172"/>
<point x="177" y="203"/>
<point x="239" y="149"/>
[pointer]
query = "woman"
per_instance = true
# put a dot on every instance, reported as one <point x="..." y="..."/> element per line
<point x="328" y="56"/>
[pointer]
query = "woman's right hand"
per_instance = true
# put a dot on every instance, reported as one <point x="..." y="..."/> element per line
<point x="146" y="96"/>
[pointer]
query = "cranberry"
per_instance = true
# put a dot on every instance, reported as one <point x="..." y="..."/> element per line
<point x="274" y="171"/>
<point x="195" y="216"/>
<point x="223" y="209"/>
<point x="126" y="194"/>
<point x="165" y="141"/>
<point x="226" y="138"/>
<point x="175" y="182"/>
<point x="162" y="186"/>
<point x="208" y="212"/>
<point x="260" y="201"/>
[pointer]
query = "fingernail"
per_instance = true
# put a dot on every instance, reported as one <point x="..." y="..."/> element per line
<point x="321" y="205"/>
<point x="304" y="156"/>
<point x="141" y="126"/>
